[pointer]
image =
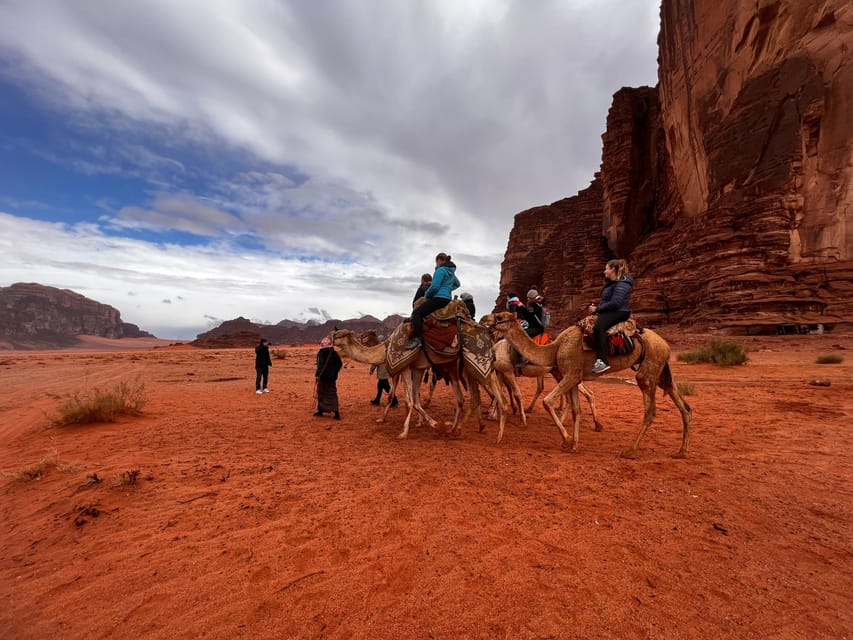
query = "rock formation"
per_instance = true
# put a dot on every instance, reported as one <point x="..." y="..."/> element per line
<point x="727" y="187"/>
<point x="36" y="316"/>
<point x="242" y="332"/>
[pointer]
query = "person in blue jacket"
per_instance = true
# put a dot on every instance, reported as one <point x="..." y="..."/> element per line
<point x="438" y="295"/>
<point x="615" y="307"/>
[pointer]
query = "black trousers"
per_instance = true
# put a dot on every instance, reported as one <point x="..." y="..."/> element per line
<point x="606" y="320"/>
<point x="382" y="385"/>
<point x="427" y="307"/>
<point x="261" y="373"/>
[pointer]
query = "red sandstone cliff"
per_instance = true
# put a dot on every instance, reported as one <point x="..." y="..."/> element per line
<point x="36" y="316"/>
<point x="727" y="187"/>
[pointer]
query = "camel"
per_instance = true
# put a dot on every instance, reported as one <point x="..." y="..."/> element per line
<point x="412" y="376"/>
<point x="575" y="364"/>
<point x="506" y="371"/>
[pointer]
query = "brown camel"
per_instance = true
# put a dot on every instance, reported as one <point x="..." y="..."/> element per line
<point x="412" y="376"/>
<point x="575" y="364"/>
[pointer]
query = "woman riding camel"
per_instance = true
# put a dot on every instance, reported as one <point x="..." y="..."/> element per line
<point x="615" y="307"/>
<point x="438" y="295"/>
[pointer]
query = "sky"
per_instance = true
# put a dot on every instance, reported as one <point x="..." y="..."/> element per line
<point x="191" y="162"/>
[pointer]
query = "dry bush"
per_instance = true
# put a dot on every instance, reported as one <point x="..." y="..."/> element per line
<point x="832" y="358"/>
<point x="725" y="353"/>
<point x="279" y="354"/>
<point x="37" y="470"/>
<point x="126" y="478"/>
<point x="685" y="388"/>
<point x="102" y="406"/>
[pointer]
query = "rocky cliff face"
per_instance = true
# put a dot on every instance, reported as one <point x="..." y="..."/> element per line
<point x="727" y="187"/>
<point x="36" y="316"/>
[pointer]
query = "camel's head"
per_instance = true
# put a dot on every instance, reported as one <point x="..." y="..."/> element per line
<point x="341" y="337"/>
<point x="503" y="321"/>
<point x="369" y="338"/>
<point x="488" y="320"/>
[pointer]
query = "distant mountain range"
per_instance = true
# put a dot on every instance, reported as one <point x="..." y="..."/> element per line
<point x="241" y="332"/>
<point x="35" y="316"/>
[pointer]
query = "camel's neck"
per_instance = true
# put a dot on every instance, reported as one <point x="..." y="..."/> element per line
<point x="542" y="355"/>
<point x="366" y="355"/>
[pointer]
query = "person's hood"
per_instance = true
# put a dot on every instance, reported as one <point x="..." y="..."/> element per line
<point x="629" y="279"/>
<point x="449" y="265"/>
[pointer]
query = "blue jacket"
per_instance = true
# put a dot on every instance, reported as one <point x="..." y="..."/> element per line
<point x="616" y="295"/>
<point x="444" y="281"/>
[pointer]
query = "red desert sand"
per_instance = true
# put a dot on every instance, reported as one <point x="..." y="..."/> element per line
<point x="220" y="513"/>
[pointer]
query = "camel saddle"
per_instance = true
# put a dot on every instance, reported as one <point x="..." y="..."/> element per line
<point x="442" y="336"/>
<point x="621" y="336"/>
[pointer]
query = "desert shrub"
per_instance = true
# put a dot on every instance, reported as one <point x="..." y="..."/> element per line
<point x="37" y="470"/>
<point x="725" y="353"/>
<point x="832" y="358"/>
<point x="278" y="354"/>
<point x="685" y="388"/>
<point x="102" y="406"/>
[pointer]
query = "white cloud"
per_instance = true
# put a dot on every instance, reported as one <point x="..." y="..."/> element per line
<point x="414" y="127"/>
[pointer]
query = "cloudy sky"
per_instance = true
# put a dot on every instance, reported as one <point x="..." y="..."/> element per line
<point x="192" y="161"/>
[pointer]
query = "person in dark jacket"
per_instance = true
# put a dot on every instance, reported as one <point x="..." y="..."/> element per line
<point x="514" y="304"/>
<point x="328" y="365"/>
<point x="535" y="314"/>
<point x="468" y="299"/>
<point x="426" y="281"/>
<point x="615" y="307"/>
<point x="437" y="295"/>
<point x="262" y="366"/>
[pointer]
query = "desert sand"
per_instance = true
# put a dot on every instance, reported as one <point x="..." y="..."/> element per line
<point x="250" y="518"/>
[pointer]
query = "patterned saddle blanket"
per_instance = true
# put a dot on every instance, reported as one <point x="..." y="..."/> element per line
<point x="442" y="340"/>
<point x="621" y="336"/>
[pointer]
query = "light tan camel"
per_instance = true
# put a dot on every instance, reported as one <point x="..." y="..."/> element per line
<point x="507" y="371"/>
<point x="575" y="364"/>
<point x="412" y="376"/>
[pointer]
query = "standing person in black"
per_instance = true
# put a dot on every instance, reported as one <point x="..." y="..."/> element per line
<point x="615" y="307"/>
<point x="328" y="365"/>
<point x="426" y="281"/>
<point x="262" y="366"/>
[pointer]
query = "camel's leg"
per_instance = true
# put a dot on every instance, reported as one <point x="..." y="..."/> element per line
<point x="494" y="388"/>
<point x="433" y="383"/>
<point x="409" y="388"/>
<point x="548" y="402"/>
<point x="455" y="428"/>
<point x="649" y="388"/>
<point x="576" y="415"/>
<point x="669" y="387"/>
<point x="590" y="398"/>
<point x="394" y="381"/>
<point x="540" y="387"/>
<point x="515" y="398"/>
<point x="416" y="389"/>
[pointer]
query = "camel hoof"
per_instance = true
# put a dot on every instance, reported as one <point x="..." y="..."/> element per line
<point x="380" y="420"/>
<point x="598" y="427"/>
<point x="570" y="445"/>
<point x="402" y="436"/>
<point x="630" y="454"/>
<point x="681" y="455"/>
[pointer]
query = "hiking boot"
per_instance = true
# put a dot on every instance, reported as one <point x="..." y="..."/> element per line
<point x="600" y="366"/>
<point x="414" y="343"/>
<point x="374" y="402"/>
<point x="337" y="416"/>
<point x="318" y="414"/>
<point x="394" y="401"/>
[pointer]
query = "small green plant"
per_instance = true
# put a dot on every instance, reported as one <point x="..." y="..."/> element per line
<point x="725" y="353"/>
<point x="102" y="406"/>
<point x="832" y="358"/>
<point x="685" y="388"/>
<point x="279" y="354"/>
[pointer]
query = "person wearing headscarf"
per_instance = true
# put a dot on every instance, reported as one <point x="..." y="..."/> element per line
<point x="262" y="366"/>
<point x="437" y="295"/>
<point x="328" y="365"/>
